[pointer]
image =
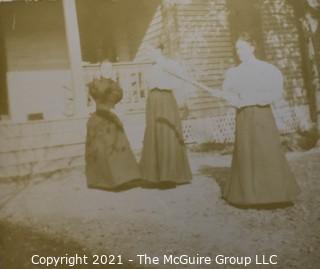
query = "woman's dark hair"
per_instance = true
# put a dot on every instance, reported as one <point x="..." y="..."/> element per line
<point x="247" y="37"/>
<point x="101" y="90"/>
<point x="160" y="46"/>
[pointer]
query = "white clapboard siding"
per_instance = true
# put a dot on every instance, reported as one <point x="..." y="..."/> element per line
<point x="42" y="146"/>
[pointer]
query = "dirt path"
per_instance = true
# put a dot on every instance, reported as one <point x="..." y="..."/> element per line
<point x="189" y="219"/>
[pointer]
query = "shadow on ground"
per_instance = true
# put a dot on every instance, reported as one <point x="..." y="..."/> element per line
<point x="221" y="174"/>
<point x="18" y="244"/>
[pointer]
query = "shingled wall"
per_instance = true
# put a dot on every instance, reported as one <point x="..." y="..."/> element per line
<point x="282" y="46"/>
<point x="205" y="40"/>
<point x="199" y="33"/>
<point x="281" y="42"/>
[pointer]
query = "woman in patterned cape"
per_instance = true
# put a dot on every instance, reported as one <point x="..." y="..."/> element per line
<point x="110" y="161"/>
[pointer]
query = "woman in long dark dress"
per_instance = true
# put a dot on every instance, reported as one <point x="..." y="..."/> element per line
<point x="260" y="173"/>
<point x="164" y="155"/>
<point x="109" y="159"/>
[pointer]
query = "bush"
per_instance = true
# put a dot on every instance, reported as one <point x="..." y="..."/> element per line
<point x="301" y="140"/>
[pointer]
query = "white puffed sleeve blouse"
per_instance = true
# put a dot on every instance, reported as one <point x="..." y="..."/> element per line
<point x="165" y="75"/>
<point x="254" y="83"/>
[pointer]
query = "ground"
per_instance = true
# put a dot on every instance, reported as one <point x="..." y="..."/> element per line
<point x="57" y="215"/>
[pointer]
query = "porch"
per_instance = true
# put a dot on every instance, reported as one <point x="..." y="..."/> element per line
<point x="45" y="74"/>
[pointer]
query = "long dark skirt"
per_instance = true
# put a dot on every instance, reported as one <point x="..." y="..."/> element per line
<point x="164" y="156"/>
<point x="110" y="161"/>
<point x="260" y="172"/>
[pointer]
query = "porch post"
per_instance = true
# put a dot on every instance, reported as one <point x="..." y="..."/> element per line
<point x="74" y="50"/>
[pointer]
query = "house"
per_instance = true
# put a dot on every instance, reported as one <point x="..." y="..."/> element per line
<point x="49" y="49"/>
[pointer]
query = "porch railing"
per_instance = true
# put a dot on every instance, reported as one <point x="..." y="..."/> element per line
<point x="130" y="76"/>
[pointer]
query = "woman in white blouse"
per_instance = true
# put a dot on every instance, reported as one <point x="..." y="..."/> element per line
<point x="164" y="157"/>
<point x="260" y="172"/>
